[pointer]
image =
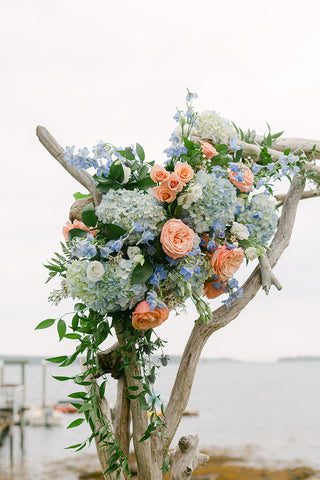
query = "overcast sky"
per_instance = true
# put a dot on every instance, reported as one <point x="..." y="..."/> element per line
<point x="116" y="71"/>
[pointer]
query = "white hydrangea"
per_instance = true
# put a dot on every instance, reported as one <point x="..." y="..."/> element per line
<point x="240" y="231"/>
<point x="127" y="207"/>
<point x="214" y="127"/>
<point x="112" y="293"/>
<point x="217" y="203"/>
<point x="261" y="218"/>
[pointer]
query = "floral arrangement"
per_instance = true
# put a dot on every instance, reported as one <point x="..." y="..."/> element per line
<point x="162" y="234"/>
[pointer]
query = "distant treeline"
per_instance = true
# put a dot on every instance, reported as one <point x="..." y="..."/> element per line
<point x="300" y="359"/>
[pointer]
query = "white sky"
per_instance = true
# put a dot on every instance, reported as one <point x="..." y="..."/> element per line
<point x="115" y="71"/>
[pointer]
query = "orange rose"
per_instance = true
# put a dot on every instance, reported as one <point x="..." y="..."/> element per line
<point x="143" y="318"/>
<point x="246" y="184"/>
<point x="176" y="238"/>
<point x="208" y="150"/>
<point x="76" y="224"/>
<point x="212" y="290"/>
<point x="158" y="174"/>
<point x="174" y="183"/>
<point x="163" y="193"/>
<point x="184" y="171"/>
<point x="225" y="262"/>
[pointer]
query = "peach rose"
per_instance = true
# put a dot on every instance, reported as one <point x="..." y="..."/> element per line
<point x="246" y="184"/>
<point x="158" y="174"/>
<point x="184" y="171"/>
<point x="163" y="193"/>
<point x="214" y="288"/>
<point x="143" y="318"/>
<point x="208" y="150"/>
<point x="76" y="224"/>
<point x="225" y="262"/>
<point x="174" y="183"/>
<point x="176" y="238"/>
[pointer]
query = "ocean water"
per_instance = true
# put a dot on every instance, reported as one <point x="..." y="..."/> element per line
<point x="268" y="413"/>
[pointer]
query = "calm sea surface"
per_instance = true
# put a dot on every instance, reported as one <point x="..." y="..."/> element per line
<point x="268" y="412"/>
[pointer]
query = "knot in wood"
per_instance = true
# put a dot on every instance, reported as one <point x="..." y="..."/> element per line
<point x="188" y="471"/>
<point x="184" y="444"/>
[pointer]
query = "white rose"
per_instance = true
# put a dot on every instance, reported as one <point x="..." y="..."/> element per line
<point x="191" y="196"/>
<point x="95" y="271"/>
<point x="127" y="173"/>
<point x="251" y="253"/>
<point x="195" y="193"/>
<point x="240" y="231"/>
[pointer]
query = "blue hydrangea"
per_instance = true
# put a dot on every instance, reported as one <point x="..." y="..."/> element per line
<point x="133" y="210"/>
<point x="217" y="204"/>
<point x="114" y="292"/>
<point x="260" y="217"/>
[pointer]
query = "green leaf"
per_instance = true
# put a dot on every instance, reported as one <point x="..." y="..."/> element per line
<point x="75" y="321"/>
<point x="221" y="148"/>
<point x="77" y="395"/>
<point x="45" y="323"/>
<point x="61" y="379"/>
<point x="140" y="152"/>
<point x="76" y="232"/>
<point x="286" y="152"/>
<point x="79" y="307"/>
<point x="73" y="336"/>
<point x="141" y="273"/>
<point x="73" y="446"/>
<point x="62" y="328"/>
<point x="102" y="389"/>
<point x="126" y="154"/>
<point x="76" y="423"/>
<point x="143" y="173"/>
<point x="188" y="144"/>
<point x="112" y="232"/>
<point x="89" y="216"/>
<point x="57" y="359"/>
<point x="116" y="172"/>
<point x="166" y="465"/>
<point x="112" y="468"/>
<point x="101" y="179"/>
<point x="277" y="135"/>
<point x="145" y="183"/>
<point x="178" y="211"/>
<point x="79" y="195"/>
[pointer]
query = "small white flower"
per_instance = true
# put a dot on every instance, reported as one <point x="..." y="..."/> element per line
<point x="95" y="271"/>
<point x="251" y="253"/>
<point x="133" y="251"/>
<point x="127" y="173"/>
<point x="192" y="195"/>
<point x="240" y="231"/>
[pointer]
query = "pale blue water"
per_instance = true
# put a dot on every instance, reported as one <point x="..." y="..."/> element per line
<point x="269" y="412"/>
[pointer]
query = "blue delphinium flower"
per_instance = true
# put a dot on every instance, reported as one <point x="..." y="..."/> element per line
<point x="159" y="274"/>
<point x="233" y="146"/>
<point x="84" y="248"/>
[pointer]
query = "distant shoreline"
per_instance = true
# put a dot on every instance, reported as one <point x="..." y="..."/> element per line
<point x="36" y="360"/>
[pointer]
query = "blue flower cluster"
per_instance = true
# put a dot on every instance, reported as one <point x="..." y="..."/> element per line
<point x="260" y="218"/>
<point x="217" y="204"/>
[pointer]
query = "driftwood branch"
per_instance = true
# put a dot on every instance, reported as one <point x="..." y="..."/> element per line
<point x="121" y="416"/>
<point x="83" y="177"/>
<point x="186" y="457"/>
<point x="222" y="316"/>
<point x="268" y="278"/>
<point x="106" y="413"/>
<point x="306" y="194"/>
<point x="295" y="144"/>
<point x="110" y="361"/>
